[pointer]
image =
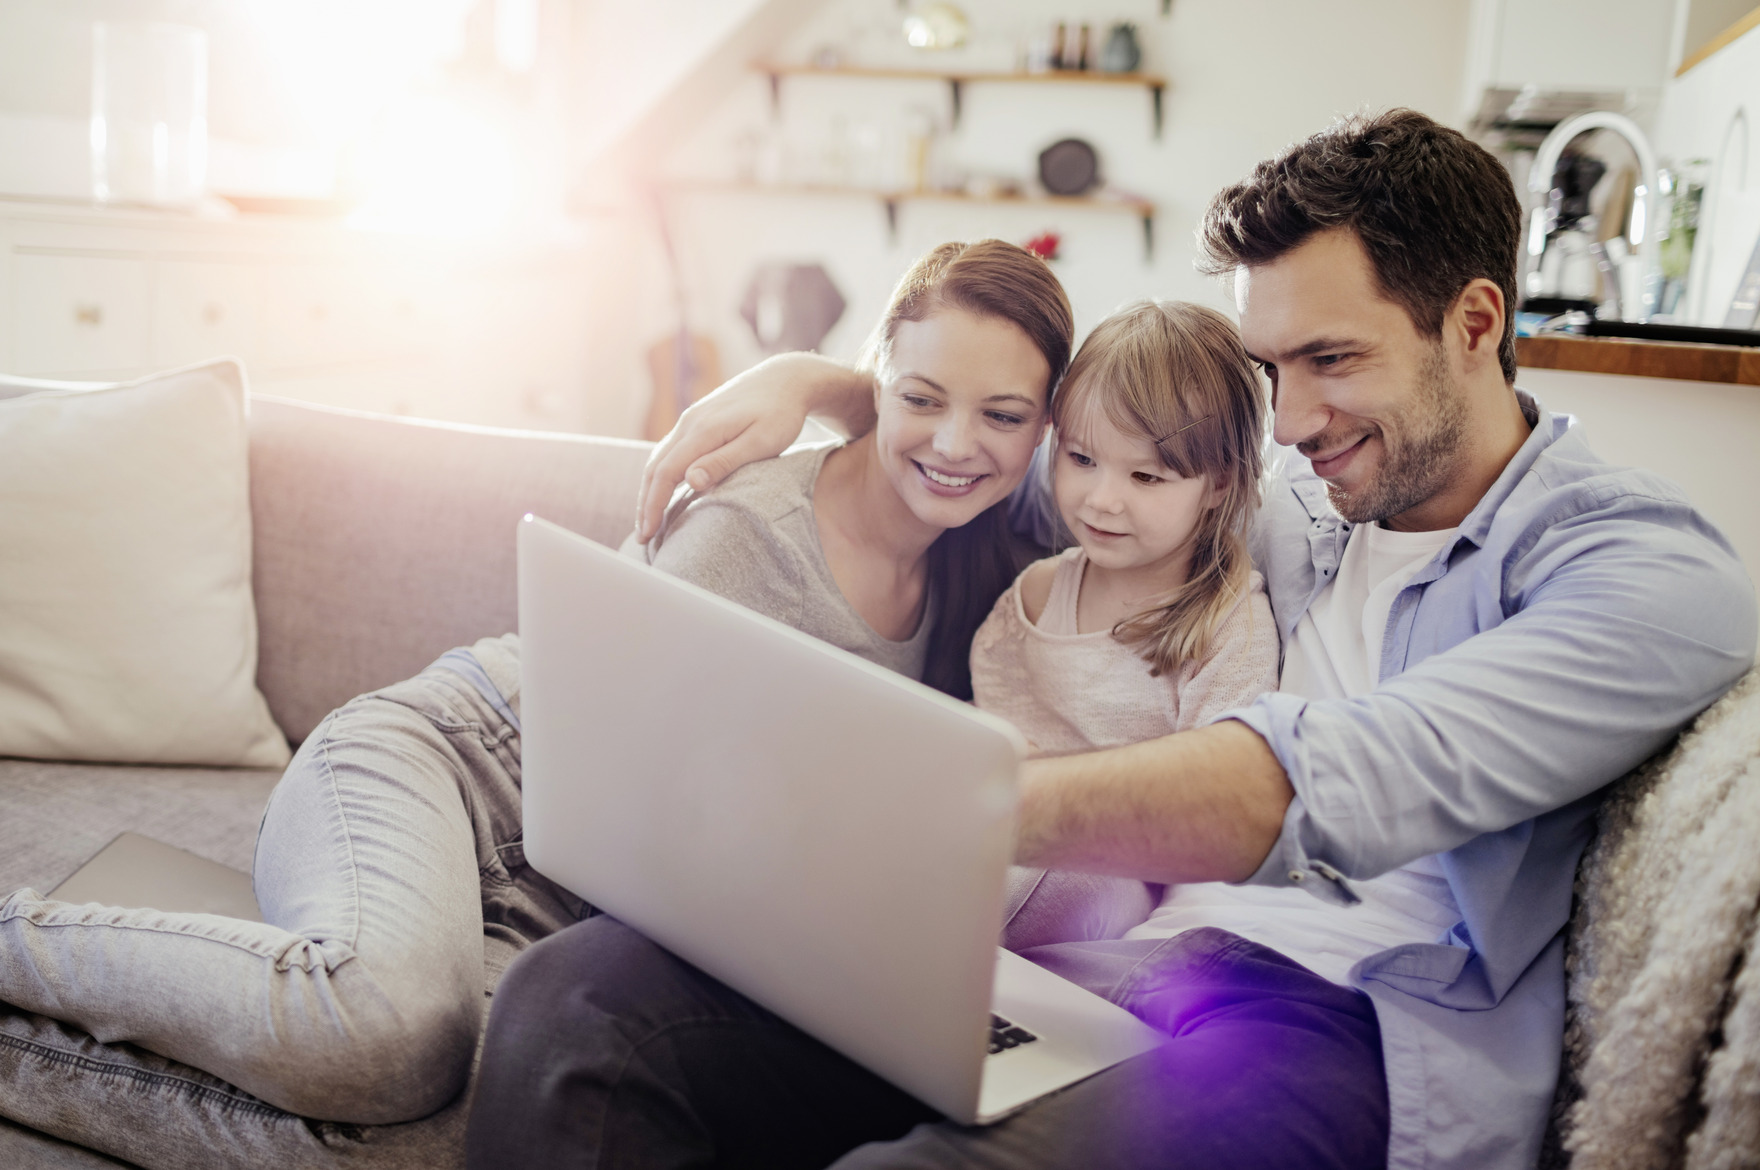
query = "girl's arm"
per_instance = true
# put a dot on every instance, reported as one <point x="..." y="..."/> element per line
<point x="752" y="416"/>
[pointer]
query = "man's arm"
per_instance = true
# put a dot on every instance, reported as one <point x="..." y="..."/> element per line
<point x="1202" y="805"/>
<point x="752" y="416"/>
<point x="1625" y="628"/>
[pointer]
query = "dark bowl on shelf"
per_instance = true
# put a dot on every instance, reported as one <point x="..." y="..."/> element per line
<point x="1069" y="167"/>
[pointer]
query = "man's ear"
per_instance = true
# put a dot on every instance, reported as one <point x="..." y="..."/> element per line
<point x="1477" y="318"/>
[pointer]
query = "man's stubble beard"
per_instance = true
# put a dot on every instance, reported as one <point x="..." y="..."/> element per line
<point x="1424" y="460"/>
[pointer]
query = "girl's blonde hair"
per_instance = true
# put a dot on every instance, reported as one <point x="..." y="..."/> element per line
<point x="1175" y="374"/>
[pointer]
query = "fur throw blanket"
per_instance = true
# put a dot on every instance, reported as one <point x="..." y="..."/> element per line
<point x="1662" y="1044"/>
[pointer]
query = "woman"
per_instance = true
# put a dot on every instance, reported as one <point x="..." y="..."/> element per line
<point x="389" y="867"/>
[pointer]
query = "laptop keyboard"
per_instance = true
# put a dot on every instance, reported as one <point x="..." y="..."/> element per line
<point x="1005" y="1034"/>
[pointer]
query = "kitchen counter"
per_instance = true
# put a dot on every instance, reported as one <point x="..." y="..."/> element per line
<point x="1680" y="361"/>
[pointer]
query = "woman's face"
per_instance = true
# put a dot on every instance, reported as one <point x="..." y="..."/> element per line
<point x="962" y="404"/>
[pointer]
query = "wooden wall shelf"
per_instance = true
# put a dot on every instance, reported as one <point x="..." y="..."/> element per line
<point x="1143" y="209"/>
<point x="1643" y="359"/>
<point x="956" y="80"/>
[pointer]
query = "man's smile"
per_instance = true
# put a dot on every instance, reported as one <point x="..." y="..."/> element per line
<point x="1332" y="465"/>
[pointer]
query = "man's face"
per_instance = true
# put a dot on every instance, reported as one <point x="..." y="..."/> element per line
<point x="1355" y="387"/>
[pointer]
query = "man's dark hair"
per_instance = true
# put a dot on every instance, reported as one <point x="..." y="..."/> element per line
<point x="1433" y="209"/>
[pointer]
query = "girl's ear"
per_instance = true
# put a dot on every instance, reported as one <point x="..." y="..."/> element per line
<point x="1218" y="492"/>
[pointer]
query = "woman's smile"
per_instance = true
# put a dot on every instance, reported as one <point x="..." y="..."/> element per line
<point x="946" y="483"/>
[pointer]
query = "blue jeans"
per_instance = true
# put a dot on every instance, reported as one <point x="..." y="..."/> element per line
<point x="604" y="1050"/>
<point x="390" y="873"/>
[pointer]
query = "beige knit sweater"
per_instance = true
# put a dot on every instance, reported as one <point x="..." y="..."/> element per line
<point x="1662" y="1047"/>
<point x="1070" y="692"/>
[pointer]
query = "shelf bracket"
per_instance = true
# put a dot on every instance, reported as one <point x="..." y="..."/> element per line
<point x="955" y="88"/>
<point x="1155" y="91"/>
<point x="891" y="205"/>
<point x="775" y="96"/>
<point x="1148" y="237"/>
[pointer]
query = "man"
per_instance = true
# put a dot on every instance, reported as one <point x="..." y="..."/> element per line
<point x="1483" y="625"/>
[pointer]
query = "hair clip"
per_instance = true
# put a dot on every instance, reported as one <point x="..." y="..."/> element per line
<point x="1184" y="429"/>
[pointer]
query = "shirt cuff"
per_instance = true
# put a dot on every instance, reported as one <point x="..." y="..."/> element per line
<point x="1289" y="863"/>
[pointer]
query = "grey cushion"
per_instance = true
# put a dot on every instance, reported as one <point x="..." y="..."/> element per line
<point x="54" y="817"/>
<point x="380" y="543"/>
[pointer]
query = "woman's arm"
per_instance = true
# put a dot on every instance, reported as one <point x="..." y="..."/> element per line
<point x="752" y="416"/>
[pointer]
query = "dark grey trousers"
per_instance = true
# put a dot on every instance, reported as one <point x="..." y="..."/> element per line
<point x="606" y="1051"/>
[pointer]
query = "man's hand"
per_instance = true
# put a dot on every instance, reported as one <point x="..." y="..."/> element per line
<point x="752" y="416"/>
<point x="1198" y="806"/>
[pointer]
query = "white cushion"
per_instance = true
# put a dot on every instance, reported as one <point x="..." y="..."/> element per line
<point x="128" y="632"/>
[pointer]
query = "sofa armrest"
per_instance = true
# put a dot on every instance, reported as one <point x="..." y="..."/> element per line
<point x="381" y="542"/>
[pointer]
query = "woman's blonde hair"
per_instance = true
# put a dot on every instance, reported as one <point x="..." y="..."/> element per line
<point x="1175" y="374"/>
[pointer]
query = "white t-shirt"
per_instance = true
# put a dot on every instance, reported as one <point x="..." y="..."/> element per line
<point x="1335" y="653"/>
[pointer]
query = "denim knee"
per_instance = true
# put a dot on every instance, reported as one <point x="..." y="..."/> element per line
<point x="392" y="1065"/>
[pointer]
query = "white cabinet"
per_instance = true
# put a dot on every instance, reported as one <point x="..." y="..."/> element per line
<point x="79" y="313"/>
<point x="321" y="315"/>
<point x="1565" y="45"/>
<point x="202" y="309"/>
<point x="316" y="311"/>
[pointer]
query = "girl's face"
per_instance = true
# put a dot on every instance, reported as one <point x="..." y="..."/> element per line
<point x="1126" y="510"/>
<point x="961" y="405"/>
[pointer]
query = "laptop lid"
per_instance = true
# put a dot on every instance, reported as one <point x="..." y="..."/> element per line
<point x="140" y="873"/>
<point x="819" y="833"/>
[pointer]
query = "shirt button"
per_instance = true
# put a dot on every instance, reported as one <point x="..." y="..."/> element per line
<point x="1296" y="875"/>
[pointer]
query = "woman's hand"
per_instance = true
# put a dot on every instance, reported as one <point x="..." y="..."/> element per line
<point x="752" y="416"/>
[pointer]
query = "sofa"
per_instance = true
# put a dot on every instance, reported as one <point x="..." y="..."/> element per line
<point x="378" y="543"/>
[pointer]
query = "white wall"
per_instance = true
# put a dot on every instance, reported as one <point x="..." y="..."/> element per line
<point x="1702" y="435"/>
<point x="1713" y="112"/>
<point x="1245" y="78"/>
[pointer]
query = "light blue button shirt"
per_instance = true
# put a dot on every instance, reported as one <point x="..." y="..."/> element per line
<point x="1581" y="617"/>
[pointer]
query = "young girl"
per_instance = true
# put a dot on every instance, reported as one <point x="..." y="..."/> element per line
<point x="1155" y="621"/>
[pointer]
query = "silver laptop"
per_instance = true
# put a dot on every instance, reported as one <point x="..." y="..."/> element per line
<point x="138" y="872"/>
<point x="819" y="833"/>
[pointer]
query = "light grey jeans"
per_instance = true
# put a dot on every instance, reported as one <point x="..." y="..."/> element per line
<point x="394" y="889"/>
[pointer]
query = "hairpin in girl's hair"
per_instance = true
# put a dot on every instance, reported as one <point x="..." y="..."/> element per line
<point x="1184" y="429"/>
